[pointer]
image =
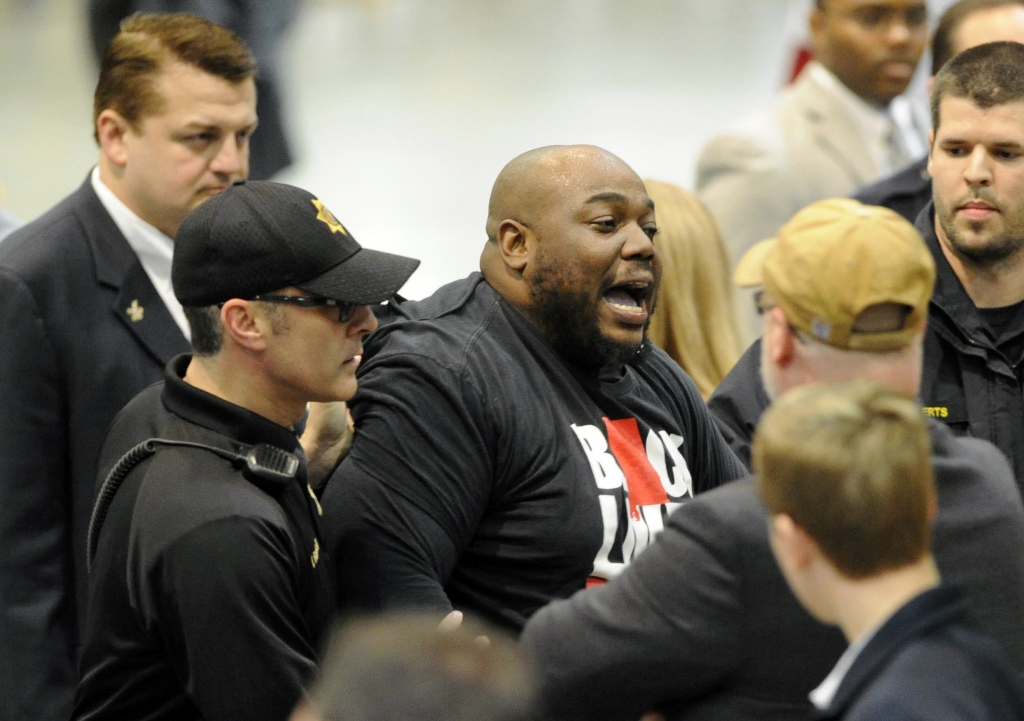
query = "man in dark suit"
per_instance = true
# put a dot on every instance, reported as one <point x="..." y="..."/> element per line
<point x="845" y="474"/>
<point x="964" y="25"/>
<point x="702" y="624"/>
<point x="88" y="319"/>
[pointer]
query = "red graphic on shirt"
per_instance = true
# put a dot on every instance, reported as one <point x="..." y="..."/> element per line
<point x="642" y="481"/>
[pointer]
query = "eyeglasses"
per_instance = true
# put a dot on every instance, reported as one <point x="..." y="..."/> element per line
<point x="345" y="309"/>
<point x="763" y="302"/>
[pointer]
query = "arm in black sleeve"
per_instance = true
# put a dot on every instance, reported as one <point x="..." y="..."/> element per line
<point x="224" y="599"/>
<point x="718" y="462"/>
<point x="667" y="628"/>
<point x="409" y="496"/>
<point x="37" y="611"/>
<point x="739" y="401"/>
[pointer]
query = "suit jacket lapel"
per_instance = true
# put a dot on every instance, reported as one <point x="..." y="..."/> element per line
<point x="138" y="305"/>
<point x="835" y="132"/>
<point x="141" y="309"/>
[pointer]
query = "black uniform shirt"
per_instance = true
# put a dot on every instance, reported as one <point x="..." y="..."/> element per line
<point x="208" y="594"/>
<point x="489" y="474"/>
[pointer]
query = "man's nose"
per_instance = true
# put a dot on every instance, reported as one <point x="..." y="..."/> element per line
<point x="638" y="244"/>
<point x="232" y="158"/>
<point x="979" y="169"/>
<point x="363" y="321"/>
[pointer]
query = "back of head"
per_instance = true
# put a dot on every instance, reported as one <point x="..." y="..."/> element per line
<point x="850" y="464"/>
<point x="694" y="321"/>
<point x="944" y="41"/>
<point x="837" y="267"/>
<point x="401" y="668"/>
<point x="146" y="43"/>
<point x="987" y="75"/>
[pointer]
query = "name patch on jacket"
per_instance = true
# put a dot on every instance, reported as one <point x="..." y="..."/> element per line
<point x="641" y="478"/>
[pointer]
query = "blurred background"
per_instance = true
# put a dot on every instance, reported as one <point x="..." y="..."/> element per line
<point x="402" y="112"/>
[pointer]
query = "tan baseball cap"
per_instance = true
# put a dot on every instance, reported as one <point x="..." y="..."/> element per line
<point x="837" y="258"/>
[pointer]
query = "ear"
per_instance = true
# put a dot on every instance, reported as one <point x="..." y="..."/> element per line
<point x="793" y="547"/>
<point x="244" y="325"/>
<point x="111" y="129"/>
<point x="931" y="149"/>
<point x="780" y="343"/>
<point x="515" y="243"/>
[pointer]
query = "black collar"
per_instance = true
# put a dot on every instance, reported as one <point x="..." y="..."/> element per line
<point x="218" y="415"/>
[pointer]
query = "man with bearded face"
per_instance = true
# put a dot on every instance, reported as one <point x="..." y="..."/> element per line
<point x="518" y="439"/>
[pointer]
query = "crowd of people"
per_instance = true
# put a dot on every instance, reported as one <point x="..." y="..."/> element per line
<point x="221" y="426"/>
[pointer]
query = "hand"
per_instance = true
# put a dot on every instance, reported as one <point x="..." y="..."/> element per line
<point x="327" y="439"/>
<point x="452" y="622"/>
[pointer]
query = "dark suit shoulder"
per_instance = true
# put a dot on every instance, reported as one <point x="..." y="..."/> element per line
<point x="905" y="192"/>
<point x="739" y="401"/>
<point x="730" y="504"/>
<point x="963" y="462"/>
<point x="56" y="239"/>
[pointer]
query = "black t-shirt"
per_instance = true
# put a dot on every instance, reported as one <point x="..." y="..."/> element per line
<point x="489" y="475"/>
<point x="210" y="591"/>
<point x="1006" y="326"/>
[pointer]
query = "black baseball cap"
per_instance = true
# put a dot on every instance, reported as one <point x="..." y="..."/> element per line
<point x="257" y="236"/>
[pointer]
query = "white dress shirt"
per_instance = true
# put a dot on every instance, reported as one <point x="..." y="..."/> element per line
<point x="154" y="249"/>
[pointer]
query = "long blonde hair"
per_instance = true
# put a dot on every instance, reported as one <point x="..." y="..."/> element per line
<point x="695" y="322"/>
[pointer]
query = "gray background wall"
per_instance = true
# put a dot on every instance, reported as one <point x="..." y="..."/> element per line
<point x="403" y="111"/>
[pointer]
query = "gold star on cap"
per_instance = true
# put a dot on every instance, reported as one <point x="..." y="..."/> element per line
<point x="135" y="311"/>
<point x="322" y="213"/>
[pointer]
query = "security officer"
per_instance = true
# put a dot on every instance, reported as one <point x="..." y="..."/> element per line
<point x="209" y="591"/>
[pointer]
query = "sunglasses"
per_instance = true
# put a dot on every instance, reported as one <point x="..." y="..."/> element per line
<point x="345" y="309"/>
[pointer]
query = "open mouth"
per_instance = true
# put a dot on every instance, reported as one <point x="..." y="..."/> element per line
<point x="630" y="300"/>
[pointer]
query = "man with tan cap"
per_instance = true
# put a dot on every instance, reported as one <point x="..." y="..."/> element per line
<point x="703" y="626"/>
<point x="974" y="229"/>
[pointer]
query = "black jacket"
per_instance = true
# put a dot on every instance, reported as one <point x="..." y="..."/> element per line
<point x="70" y="357"/>
<point x="210" y="590"/>
<point x="971" y="381"/>
<point x="906" y="192"/>
<point x="968" y="383"/>
<point x="929" y="661"/>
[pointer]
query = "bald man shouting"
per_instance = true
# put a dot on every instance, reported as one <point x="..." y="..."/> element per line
<point x="517" y="438"/>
